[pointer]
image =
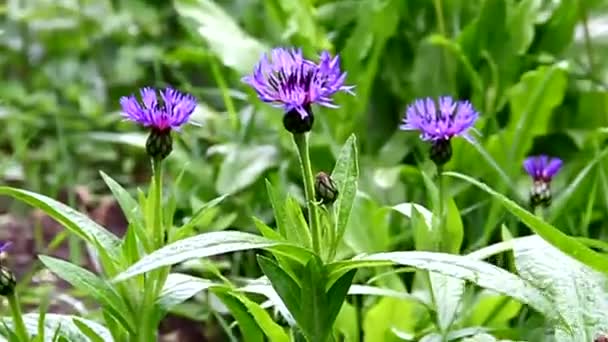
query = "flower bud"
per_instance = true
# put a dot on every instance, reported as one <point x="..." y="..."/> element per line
<point x="7" y="281"/>
<point x="295" y="123"/>
<point x="326" y="190"/>
<point x="159" y="144"/>
<point x="540" y="194"/>
<point x="441" y="151"/>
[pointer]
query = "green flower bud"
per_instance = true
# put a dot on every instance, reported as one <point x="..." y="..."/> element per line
<point x="326" y="190"/>
<point x="159" y="144"/>
<point x="540" y="194"/>
<point x="296" y="124"/>
<point x="441" y="151"/>
<point x="7" y="281"/>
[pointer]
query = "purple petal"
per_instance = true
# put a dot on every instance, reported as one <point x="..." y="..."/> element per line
<point x="4" y="245"/>
<point x="555" y="164"/>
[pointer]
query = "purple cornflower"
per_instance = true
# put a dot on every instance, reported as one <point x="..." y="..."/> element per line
<point x="162" y="115"/>
<point x="287" y="80"/>
<point x="4" y="245"/>
<point x="440" y="121"/>
<point x="542" y="169"/>
<point x="170" y="113"/>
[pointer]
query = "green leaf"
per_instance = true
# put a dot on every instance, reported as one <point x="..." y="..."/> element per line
<point x="554" y="236"/>
<point x="577" y="290"/>
<point x="492" y="310"/>
<point x="180" y="287"/>
<point x="235" y="48"/>
<point x="199" y="246"/>
<point x="447" y="294"/>
<point x="337" y="295"/>
<point x="532" y="101"/>
<point x="243" y="166"/>
<point x="285" y="286"/>
<point x="89" y="283"/>
<point x="346" y="327"/>
<point x="388" y="314"/>
<point x="71" y="219"/>
<point x="288" y="216"/>
<point x="88" y="331"/>
<point x="65" y="325"/>
<point x="128" y="205"/>
<point x="250" y="331"/>
<point x="298" y="228"/>
<point x="300" y="18"/>
<point x="313" y="317"/>
<point x="345" y="175"/>
<point x="521" y="24"/>
<point x="560" y="203"/>
<point x="262" y="319"/>
<point x="462" y="267"/>
<point x="263" y="287"/>
<point x="189" y="226"/>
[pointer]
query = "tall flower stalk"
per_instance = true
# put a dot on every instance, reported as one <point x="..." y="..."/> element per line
<point x="162" y="111"/>
<point x="289" y="81"/>
<point x="438" y="122"/>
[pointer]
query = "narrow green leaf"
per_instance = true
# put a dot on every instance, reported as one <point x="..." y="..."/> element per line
<point x="289" y="217"/>
<point x="180" y="287"/>
<point x="65" y="325"/>
<point x="89" y="283"/>
<point x="313" y="318"/>
<point x="337" y="294"/>
<point x="285" y="286"/>
<point x="127" y="203"/>
<point x="297" y="223"/>
<point x="198" y="216"/>
<point x="87" y="331"/>
<point x="447" y="294"/>
<point x="199" y="246"/>
<point x="559" y="204"/>
<point x="76" y="222"/>
<point x="272" y="330"/>
<point x="345" y="175"/>
<point x="278" y="207"/>
<point x="554" y="236"/>
<point x="250" y="331"/>
<point x="481" y="273"/>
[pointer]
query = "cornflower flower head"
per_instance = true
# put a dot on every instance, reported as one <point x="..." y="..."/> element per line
<point x="4" y="245"/>
<point x="438" y="122"/>
<point x="287" y="80"/>
<point x="542" y="169"/>
<point x="7" y="278"/>
<point x="162" y="111"/>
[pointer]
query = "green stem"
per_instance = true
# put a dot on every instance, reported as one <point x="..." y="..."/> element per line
<point x="19" y="325"/>
<point x="157" y="229"/>
<point x="301" y="141"/>
<point x="538" y="211"/>
<point x="441" y="218"/>
<point x="152" y="283"/>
